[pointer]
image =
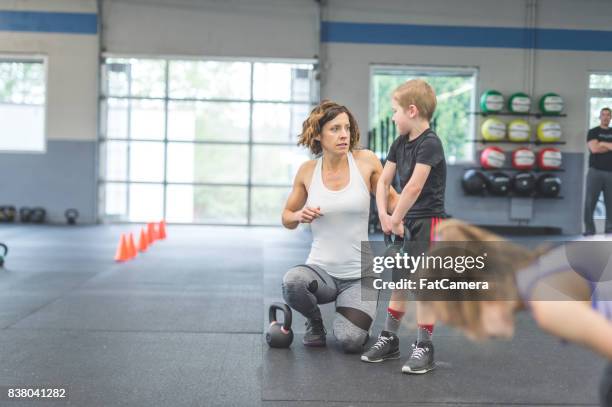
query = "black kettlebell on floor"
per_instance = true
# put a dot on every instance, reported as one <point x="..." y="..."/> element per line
<point x="25" y="214"/>
<point x="3" y="255"/>
<point x="279" y="335"/>
<point x="38" y="215"/>
<point x="71" y="216"/>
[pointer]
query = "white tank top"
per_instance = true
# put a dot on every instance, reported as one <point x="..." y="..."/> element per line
<point x="337" y="235"/>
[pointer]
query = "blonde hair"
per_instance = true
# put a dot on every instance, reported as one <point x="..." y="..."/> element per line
<point x="319" y="116"/>
<point x="419" y="93"/>
<point x="465" y="313"/>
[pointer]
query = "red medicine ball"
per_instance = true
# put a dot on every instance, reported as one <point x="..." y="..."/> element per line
<point x="549" y="159"/>
<point x="523" y="159"/>
<point x="492" y="157"/>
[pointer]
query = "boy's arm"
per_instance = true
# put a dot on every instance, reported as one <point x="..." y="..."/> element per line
<point x="411" y="192"/>
<point x="575" y="321"/>
<point x="393" y="200"/>
<point x="392" y="195"/>
<point x="383" y="186"/>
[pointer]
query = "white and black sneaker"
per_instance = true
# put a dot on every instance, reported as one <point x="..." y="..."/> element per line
<point x="385" y="348"/>
<point x="421" y="360"/>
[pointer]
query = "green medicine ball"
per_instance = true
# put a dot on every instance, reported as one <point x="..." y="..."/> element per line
<point x="551" y="103"/>
<point x="491" y="101"/>
<point x="493" y="129"/>
<point x="519" y="130"/>
<point x="549" y="131"/>
<point x="519" y="103"/>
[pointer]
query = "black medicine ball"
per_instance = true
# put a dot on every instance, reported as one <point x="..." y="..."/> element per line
<point x="499" y="183"/>
<point x="474" y="182"/>
<point x="549" y="185"/>
<point x="523" y="183"/>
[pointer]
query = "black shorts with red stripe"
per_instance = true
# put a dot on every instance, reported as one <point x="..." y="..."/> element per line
<point x="422" y="229"/>
<point x="422" y="232"/>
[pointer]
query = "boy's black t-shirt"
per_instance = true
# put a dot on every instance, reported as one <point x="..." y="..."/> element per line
<point x="601" y="161"/>
<point x="425" y="149"/>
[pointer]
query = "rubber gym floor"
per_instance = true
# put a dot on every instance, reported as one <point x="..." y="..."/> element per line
<point x="182" y="325"/>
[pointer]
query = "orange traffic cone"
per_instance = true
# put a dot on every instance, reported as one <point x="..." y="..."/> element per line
<point x="132" y="246"/>
<point x="161" y="230"/>
<point x="143" y="243"/>
<point x="122" y="253"/>
<point x="151" y="234"/>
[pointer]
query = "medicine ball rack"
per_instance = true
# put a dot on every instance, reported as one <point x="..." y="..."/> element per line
<point x="536" y="142"/>
<point x="512" y="169"/>
<point x="536" y="115"/>
<point x="511" y="194"/>
<point x="519" y="114"/>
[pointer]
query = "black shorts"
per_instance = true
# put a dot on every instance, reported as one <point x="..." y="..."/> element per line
<point x="421" y="232"/>
<point x="422" y="229"/>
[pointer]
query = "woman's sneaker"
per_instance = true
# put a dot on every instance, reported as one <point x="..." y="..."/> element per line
<point x="386" y="347"/>
<point x="422" y="359"/>
<point x="315" y="333"/>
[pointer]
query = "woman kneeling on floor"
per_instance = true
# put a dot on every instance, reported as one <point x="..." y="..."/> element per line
<point x="332" y="194"/>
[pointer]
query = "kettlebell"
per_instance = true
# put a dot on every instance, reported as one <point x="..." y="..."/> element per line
<point x="395" y="243"/>
<point x="3" y="255"/>
<point x="38" y="215"/>
<point x="25" y="214"/>
<point x="71" y="216"/>
<point x="279" y="335"/>
<point x="393" y="240"/>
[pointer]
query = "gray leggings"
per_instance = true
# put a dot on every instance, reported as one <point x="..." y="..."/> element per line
<point x="306" y="286"/>
<point x="596" y="182"/>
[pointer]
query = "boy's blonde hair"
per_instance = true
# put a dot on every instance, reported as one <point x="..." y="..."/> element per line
<point x="419" y="93"/>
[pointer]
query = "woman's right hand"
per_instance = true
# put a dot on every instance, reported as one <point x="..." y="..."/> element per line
<point x="307" y="214"/>
<point x="385" y="223"/>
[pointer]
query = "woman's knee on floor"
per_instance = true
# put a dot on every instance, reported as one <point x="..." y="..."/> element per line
<point x="350" y="336"/>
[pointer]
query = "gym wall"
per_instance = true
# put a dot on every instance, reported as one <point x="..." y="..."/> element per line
<point x="288" y="29"/>
<point x="65" y="175"/>
<point x="230" y="28"/>
<point x="563" y="70"/>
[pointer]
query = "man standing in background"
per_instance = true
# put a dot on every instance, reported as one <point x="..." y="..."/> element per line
<point x="599" y="176"/>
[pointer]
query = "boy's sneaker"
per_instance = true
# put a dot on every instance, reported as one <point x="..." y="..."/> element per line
<point x="315" y="333"/>
<point x="422" y="359"/>
<point x="386" y="347"/>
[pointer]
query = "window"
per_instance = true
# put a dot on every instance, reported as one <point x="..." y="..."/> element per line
<point x="600" y="96"/>
<point x="456" y="95"/>
<point x="199" y="141"/>
<point x="22" y="104"/>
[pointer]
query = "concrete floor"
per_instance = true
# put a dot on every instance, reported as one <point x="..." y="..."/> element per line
<point x="181" y="325"/>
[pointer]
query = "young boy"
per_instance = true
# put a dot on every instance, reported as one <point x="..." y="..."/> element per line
<point x="418" y="157"/>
